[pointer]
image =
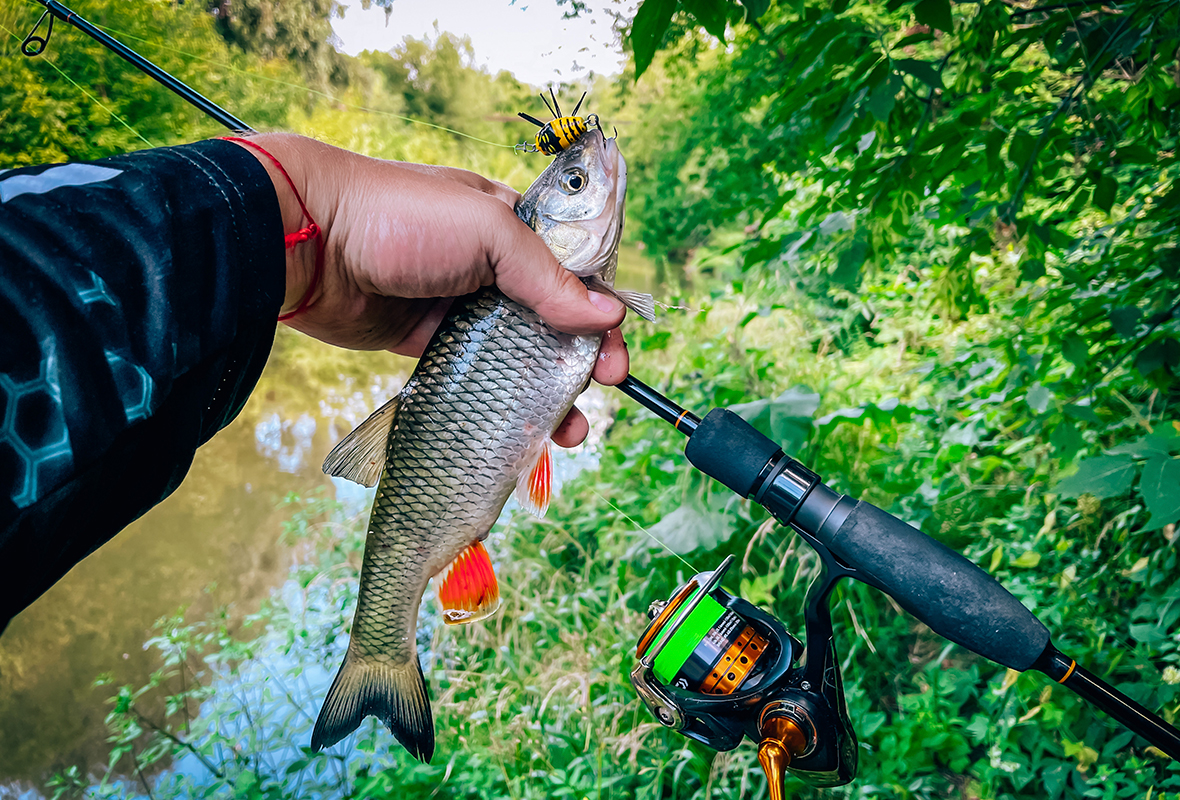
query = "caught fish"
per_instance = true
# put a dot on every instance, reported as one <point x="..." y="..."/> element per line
<point x="471" y="426"/>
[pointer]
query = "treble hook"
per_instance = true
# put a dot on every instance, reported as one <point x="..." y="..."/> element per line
<point x="35" y="45"/>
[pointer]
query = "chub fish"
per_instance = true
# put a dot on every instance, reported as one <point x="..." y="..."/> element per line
<point x="470" y="427"/>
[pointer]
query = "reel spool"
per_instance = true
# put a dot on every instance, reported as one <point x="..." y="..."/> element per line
<point x="710" y="649"/>
<point x="716" y="668"/>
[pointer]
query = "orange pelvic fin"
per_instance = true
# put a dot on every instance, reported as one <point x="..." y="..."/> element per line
<point x="467" y="589"/>
<point x="534" y="487"/>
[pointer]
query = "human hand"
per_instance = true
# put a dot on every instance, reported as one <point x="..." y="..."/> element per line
<point x="401" y="241"/>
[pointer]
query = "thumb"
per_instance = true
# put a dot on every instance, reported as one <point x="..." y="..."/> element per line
<point x="527" y="272"/>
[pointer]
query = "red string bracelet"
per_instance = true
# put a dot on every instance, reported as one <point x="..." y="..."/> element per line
<point x="312" y="231"/>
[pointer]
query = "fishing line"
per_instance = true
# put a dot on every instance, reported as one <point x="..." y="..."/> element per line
<point x="289" y="85"/>
<point x="92" y="98"/>
<point x="645" y="530"/>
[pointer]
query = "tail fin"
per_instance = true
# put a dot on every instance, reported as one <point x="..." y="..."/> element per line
<point x="395" y="695"/>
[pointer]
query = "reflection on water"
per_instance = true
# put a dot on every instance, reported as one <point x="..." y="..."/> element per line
<point x="287" y="442"/>
<point x="214" y="542"/>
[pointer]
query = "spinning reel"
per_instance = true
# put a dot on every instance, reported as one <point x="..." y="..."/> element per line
<point x="715" y="668"/>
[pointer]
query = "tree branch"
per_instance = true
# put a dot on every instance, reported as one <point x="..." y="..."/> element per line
<point x="169" y="735"/>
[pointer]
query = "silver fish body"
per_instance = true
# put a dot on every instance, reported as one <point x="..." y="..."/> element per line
<point x="490" y="389"/>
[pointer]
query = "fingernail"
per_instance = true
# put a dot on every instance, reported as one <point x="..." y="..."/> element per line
<point x="604" y="303"/>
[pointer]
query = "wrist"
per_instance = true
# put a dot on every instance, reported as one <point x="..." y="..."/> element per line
<point x="301" y="159"/>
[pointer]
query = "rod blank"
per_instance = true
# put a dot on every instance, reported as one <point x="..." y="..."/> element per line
<point x="139" y="62"/>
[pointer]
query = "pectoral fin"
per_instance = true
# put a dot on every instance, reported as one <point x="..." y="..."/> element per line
<point x="360" y="456"/>
<point x="642" y="304"/>
<point x="534" y="487"/>
<point x="467" y="589"/>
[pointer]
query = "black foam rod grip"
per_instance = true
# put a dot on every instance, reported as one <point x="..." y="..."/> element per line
<point x="726" y="447"/>
<point x="953" y="596"/>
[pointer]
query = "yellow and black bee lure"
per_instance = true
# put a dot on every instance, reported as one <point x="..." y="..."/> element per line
<point x="559" y="133"/>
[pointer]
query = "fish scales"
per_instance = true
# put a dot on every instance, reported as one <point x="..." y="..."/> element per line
<point x="537" y="372"/>
<point x="447" y="452"/>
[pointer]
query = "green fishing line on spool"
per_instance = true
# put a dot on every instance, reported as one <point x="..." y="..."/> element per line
<point x="686" y="637"/>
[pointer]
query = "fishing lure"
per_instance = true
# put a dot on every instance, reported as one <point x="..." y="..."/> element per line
<point x="560" y="132"/>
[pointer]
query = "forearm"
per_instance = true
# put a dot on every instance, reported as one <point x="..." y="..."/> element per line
<point x="137" y="305"/>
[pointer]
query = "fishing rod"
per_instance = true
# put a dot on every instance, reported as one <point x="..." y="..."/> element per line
<point x="34" y="45"/>
<point x="713" y="688"/>
<point x="716" y="668"/>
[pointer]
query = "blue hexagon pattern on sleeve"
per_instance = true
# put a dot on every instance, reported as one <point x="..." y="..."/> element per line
<point x="33" y="431"/>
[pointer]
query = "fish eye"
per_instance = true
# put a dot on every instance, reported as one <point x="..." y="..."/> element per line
<point x="573" y="181"/>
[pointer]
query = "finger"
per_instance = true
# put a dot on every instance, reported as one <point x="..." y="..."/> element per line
<point x="501" y="191"/>
<point x="613" y="360"/>
<point x="504" y="192"/>
<point x="572" y="430"/>
<point x="415" y="340"/>
<point x="527" y="272"/>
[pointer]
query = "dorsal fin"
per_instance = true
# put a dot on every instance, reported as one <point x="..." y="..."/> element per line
<point x="360" y="456"/>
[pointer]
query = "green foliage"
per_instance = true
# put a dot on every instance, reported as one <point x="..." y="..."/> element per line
<point x="866" y="141"/>
<point x="930" y="247"/>
<point x="297" y="33"/>
<point x="47" y="118"/>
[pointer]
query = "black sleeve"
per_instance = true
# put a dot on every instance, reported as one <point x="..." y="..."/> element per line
<point x="138" y="297"/>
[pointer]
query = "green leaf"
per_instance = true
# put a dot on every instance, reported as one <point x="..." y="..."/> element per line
<point x="1021" y="148"/>
<point x="657" y="341"/>
<point x="997" y="558"/>
<point x="755" y="8"/>
<point x="710" y="13"/>
<point x="1066" y="440"/>
<point x="1074" y="348"/>
<point x="1125" y="321"/>
<point x="693" y="527"/>
<point x="1161" y="443"/>
<point x="1105" y="193"/>
<point x="936" y="14"/>
<point x="761" y="589"/>
<point x="1160" y="487"/>
<point x="1038" y="398"/>
<point x="1102" y="476"/>
<point x="647" y="31"/>
<point x="1084" y="413"/>
<point x="1160" y="353"/>
<point x="1027" y="560"/>
<point x="848" y="266"/>
<point x="883" y="98"/>
<point x="846" y="115"/>
<point x="1031" y="269"/>
<point x="922" y="70"/>
<point x="1171" y="198"/>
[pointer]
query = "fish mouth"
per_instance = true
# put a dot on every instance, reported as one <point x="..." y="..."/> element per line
<point x="610" y="154"/>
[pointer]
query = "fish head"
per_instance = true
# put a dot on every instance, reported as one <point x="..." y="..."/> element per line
<point x="576" y="205"/>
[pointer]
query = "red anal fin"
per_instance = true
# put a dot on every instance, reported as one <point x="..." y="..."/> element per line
<point x="534" y="487"/>
<point x="467" y="589"/>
